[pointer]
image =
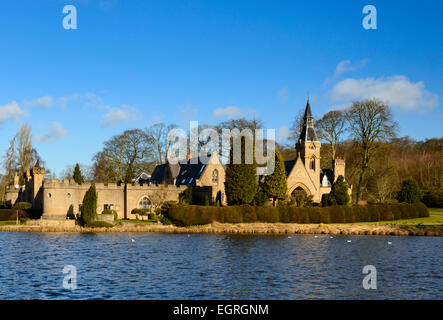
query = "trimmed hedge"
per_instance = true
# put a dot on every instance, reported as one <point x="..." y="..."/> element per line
<point x="199" y="215"/>
<point x="6" y="214"/>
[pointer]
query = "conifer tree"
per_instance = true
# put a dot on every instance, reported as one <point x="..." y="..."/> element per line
<point x="89" y="206"/>
<point x="275" y="184"/>
<point x="409" y="192"/>
<point x="339" y="191"/>
<point x="241" y="180"/>
<point x="78" y="177"/>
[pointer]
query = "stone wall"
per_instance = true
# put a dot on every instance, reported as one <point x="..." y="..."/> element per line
<point x="65" y="198"/>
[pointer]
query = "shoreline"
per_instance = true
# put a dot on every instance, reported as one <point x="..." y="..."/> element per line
<point x="247" y="229"/>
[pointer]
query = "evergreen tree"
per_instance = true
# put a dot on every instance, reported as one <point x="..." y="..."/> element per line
<point x="275" y="184"/>
<point x="78" y="177"/>
<point x="261" y="197"/>
<point x="241" y="180"/>
<point x="339" y="192"/>
<point x="89" y="207"/>
<point x="409" y="192"/>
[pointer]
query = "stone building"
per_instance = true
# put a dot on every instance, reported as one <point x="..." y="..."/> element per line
<point x="61" y="199"/>
<point x="304" y="173"/>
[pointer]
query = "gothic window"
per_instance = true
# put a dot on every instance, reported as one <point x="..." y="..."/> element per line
<point x="215" y="177"/>
<point x="144" y="203"/>
<point x="312" y="164"/>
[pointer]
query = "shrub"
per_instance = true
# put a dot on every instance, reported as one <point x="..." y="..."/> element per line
<point x="5" y="214"/>
<point x="261" y="197"/>
<point x="99" y="224"/>
<point x="89" y="206"/>
<point x="409" y="192"/>
<point x="339" y="191"/>
<point x="433" y="198"/>
<point x="163" y="219"/>
<point x="23" y="205"/>
<point x="22" y="215"/>
<point x="110" y="211"/>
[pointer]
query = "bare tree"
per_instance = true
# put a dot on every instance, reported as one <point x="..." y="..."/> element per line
<point x="297" y="126"/>
<point x="157" y="136"/>
<point x="125" y="153"/>
<point x="370" y="121"/>
<point x="330" y="128"/>
<point x="20" y="155"/>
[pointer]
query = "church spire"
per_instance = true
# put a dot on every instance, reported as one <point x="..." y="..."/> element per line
<point x="308" y="132"/>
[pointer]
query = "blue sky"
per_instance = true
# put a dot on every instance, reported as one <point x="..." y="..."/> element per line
<point x="132" y="63"/>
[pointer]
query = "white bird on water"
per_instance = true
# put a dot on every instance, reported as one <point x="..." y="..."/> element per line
<point x="289" y="238"/>
<point x="189" y="235"/>
<point x="331" y="237"/>
<point x="349" y="241"/>
<point x="389" y="242"/>
<point x="132" y="240"/>
<point x="315" y="236"/>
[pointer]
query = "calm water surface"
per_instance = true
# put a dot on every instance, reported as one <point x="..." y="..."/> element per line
<point x="206" y="266"/>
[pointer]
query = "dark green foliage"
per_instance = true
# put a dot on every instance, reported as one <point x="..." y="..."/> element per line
<point x="240" y="180"/>
<point x="261" y="197"/>
<point x="23" y="205"/>
<point x="199" y="215"/>
<point x="110" y="211"/>
<point x="433" y="198"/>
<point x="409" y="192"/>
<point x="78" y="177"/>
<point x="327" y="200"/>
<point x="339" y="191"/>
<point x="99" y="224"/>
<point x="186" y="196"/>
<point x="89" y="207"/>
<point x="5" y="214"/>
<point x="275" y="184"/>
<point x="206" y="201"/>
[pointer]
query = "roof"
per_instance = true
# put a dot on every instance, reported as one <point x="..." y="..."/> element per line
<point x="189" y="172"/>
<point x="183" y="173"/>
<point x="308" y="133"/>
<point x="157" y="176"/>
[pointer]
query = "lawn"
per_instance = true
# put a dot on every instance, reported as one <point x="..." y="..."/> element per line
<point x="8" y="222"/>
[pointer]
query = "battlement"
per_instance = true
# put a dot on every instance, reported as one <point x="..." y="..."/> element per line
<point x="71" y="184"/>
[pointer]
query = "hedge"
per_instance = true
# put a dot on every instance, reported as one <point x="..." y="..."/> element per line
<point x="199" y="215"/>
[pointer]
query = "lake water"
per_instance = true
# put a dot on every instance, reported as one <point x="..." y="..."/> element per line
<point x="213" y="266"/>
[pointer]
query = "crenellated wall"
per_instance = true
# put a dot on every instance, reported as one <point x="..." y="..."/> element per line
<point x="65" y="198"/>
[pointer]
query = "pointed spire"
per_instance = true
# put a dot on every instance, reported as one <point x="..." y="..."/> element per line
<point x="308" y="132"/>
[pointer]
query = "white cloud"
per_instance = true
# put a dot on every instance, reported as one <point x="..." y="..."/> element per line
<point x="55" y="133"/>
<point x="283" y="133"/>
<point x="43" y="102"/>
<point x="11" y="111"/>
<point x="115" y="116"/>
<point x="346" y="66"/>
<point x="283" y="94"/>
<point x="398" y="91"/>
<point x="228" y="112"/>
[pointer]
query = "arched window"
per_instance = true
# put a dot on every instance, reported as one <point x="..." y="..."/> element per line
<point x="144" y="203"/>
<point x="215" y="177"/>
<point x="312" y="167"/>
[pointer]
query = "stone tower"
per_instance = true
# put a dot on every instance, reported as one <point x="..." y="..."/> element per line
<point x="36" y="182"/>
<point x="308" y="147"/>
<point x="338" y="165"/>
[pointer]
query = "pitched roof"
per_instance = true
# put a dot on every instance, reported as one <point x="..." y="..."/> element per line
<point x="158" y="174"/>
<point x="189" y="172"/>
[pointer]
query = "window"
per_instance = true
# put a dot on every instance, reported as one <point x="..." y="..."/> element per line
<point x="144" y="203"/>
<point x="215" y="177"/>
<point x="49" y="195"/>
<point x="312" y="167"/>
<point x="68" y="195"/>
<point x="108" y="206"/>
